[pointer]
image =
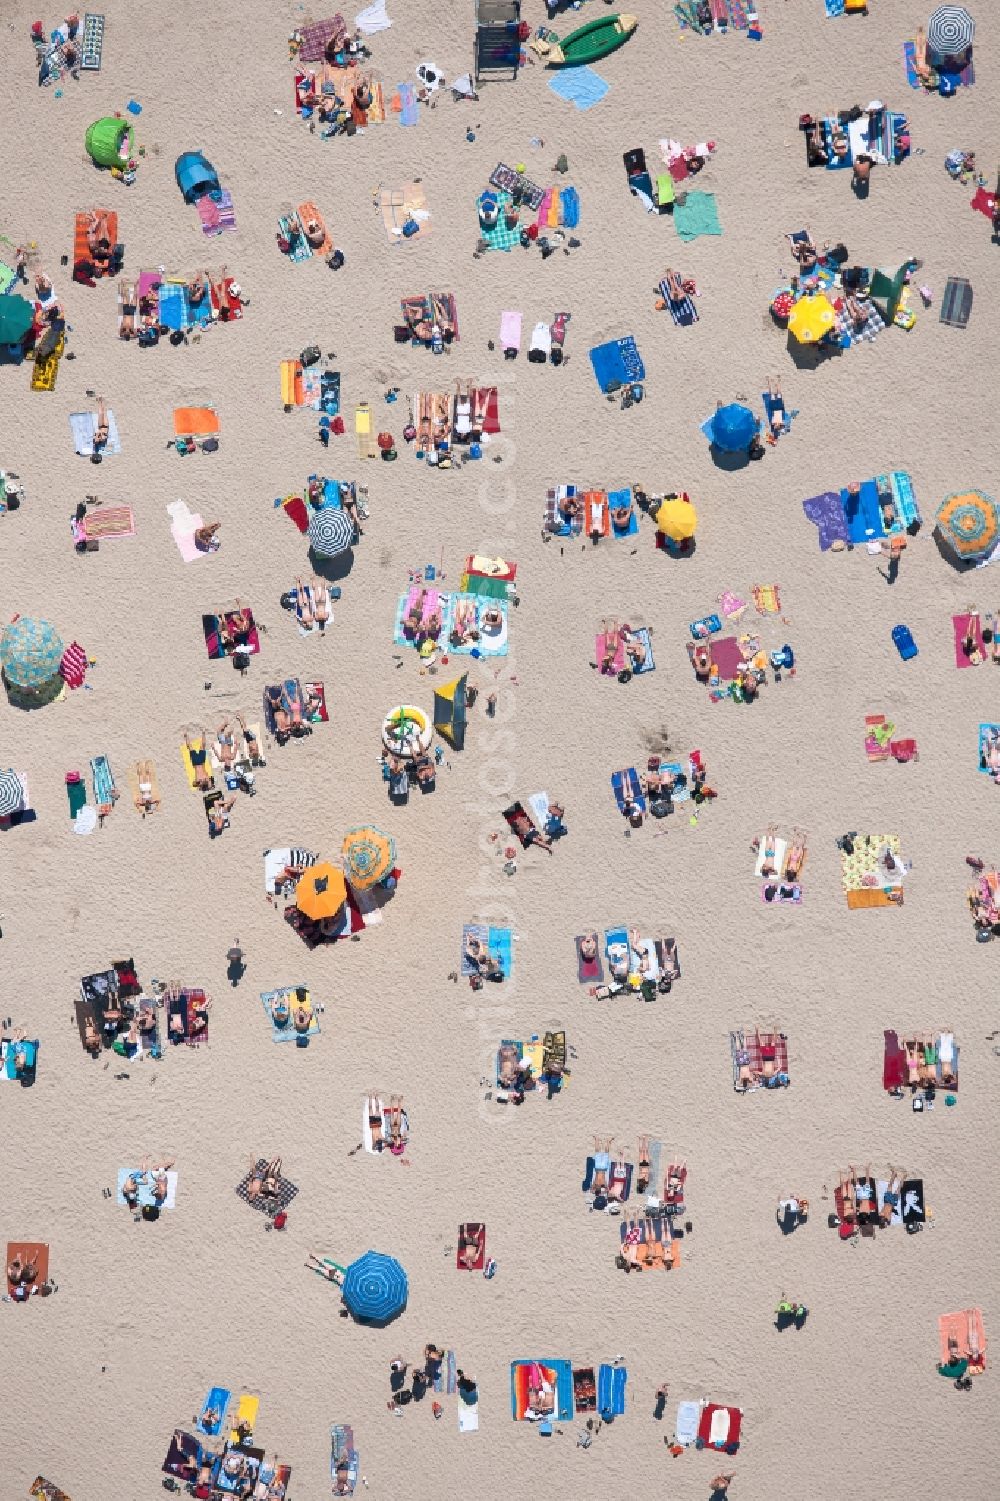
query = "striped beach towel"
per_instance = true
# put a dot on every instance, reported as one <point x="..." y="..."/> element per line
<point x="108" y="521"/>
<point x="956" y="304"/>
<point x="215" y="215"/>
<point x="73" y="667"/>
<point x="556" y="523"/>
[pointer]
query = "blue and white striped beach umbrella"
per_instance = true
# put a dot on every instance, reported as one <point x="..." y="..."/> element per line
<point x="375" y="1288"/>
<point x="950" y="31"/>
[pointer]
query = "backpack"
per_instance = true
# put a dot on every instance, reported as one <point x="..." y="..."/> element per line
<point x="310" y="355"/>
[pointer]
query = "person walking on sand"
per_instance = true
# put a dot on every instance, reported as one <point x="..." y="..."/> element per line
<point x="720" y="1486"/>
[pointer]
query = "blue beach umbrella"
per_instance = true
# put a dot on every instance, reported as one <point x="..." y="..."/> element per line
<point x="30" y="653"/>
<point x="375" y="1288"/>
<point x="732" y="428"/>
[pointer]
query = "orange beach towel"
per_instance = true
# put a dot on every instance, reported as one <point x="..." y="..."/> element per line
<point x="956" y="1326"/>
<point x="195" y="422"/>
<point x="308" y="212"/>
<point x="81" y="249"/>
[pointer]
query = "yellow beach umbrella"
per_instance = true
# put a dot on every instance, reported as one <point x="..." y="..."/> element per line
<point x="677" y="520"/>
<point x="969" y="524"/>
<point x="811" y="318"/>
<point x="368" y="856"/>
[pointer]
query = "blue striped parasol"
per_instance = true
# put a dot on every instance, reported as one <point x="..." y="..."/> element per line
<point x="375" y="1288"/>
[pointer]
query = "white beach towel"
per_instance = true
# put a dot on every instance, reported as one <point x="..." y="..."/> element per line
<point x="688" y="1418"/>
<point x="84" y="425"/>
<point x="373" y="18"/>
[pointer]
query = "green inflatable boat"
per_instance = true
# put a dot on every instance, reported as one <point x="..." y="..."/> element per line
<point x="591" y="42"/>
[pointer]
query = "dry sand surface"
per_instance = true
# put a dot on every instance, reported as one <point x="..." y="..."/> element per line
<point x="148" y="1317"/>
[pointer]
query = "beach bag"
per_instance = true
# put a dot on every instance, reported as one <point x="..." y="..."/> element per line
<point x="310" y="355"/>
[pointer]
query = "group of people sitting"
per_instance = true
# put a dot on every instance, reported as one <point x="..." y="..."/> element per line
<point x="516" y="1077"/>
<point x="400" y="772"/>
<point x="337" y="109"/>
<point x="429" y="320"/>
<point x="290" y="1008"/>
<point x="858" y="1198"/>
<point x="140" y="315"/>
<point x="291" y="708"/>
<point x="22" y="1279"/>
<point x="854" y="280"/>
<point x="443" y="420"/>
<point x="152" y="1176"/>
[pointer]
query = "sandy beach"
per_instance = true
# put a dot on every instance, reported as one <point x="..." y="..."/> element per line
<point x="148" y="1317"/>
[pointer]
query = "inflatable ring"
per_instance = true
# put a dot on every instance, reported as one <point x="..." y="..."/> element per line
<point x="407" y="732"/>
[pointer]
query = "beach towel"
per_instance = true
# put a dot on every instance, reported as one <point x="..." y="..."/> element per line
<point x="215" y="1407"/>
<point x="472" y="1241"/>
<point x="287" y="1032"/>
<point x="579" y="86"/>
<point x="648" y="664"/>
<point x="183" y="525"/>
<point x="620" y="500"/>
<point x="912" y="1209"/>
<point x="216" y="214"/>
<point x="618" y="361"/>
<point x="401" y="206"/>
<point x="73" y="667"/>
<point x="849" y="334"/>
<point x="966" y="1329"/>
<point x="316" y="34"/>
<point x="682" y="310"/>
<point x="515" y="817"/>
<point x="602" y="645"/>
<point x="8" y="1060"/>
<point x="554" y="521"/>
<point x="960" y="626"/>
<point x="589" y="971"/>
<point x="956" y="304"/>
<point x="627" y="788"/>
<point x="688" y="1419"/>
<point x="538" y="806"/>
<point x="266" y="1205"/>
<point x="308" y="213"/>
<point x="29" y="1251"/>
<point x="696" y="216"/>
<point x="372" y="19"/>
<point x="106" y="522"/>
<point x="81" y="248"/>
<point x="766" y="599"/>
<point x="246" y="1413"/>
<point x="175" y="311"/>
<point x="826" y="511"/>
<point x="145" y="1189"/>
<point x="83" y="426"/>
<point x="343" y="1455"/>
<point x="196" y="422"/>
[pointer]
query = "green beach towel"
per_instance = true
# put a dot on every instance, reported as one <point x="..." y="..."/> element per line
<point x="697" y="215"/>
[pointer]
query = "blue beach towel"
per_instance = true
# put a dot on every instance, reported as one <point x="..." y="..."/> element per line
<point x="619" y="361"/>
<point x="604" y="1392"/>
<point x="619" y="1380"/>
<point x="569" y="207"/>
<point x="623" y="498"/>
<point x="174" y="311"/>
<point x="864" y="516"/>
<point x="826" y="512"/>
<point x="410" y="113"/>
<point x="501" y="944"/>
<point x="834" y="7"/>
<point x="771" y="406"/>
<point x="104" y="782"/>
<point x="626" y="785"/>
<point x="218" y="1401"/>
<point x="580" y="86"/>
<point x="30" y="1051"/>
<point x="649" y="665"/>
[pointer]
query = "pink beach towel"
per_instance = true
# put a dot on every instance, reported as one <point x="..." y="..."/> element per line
<point x="960" y="624"/>
<point x="510" y="330"/>
<point x="601" y="647"/>
<point x="727" y="657"/>
<point x="893" y="1063"/>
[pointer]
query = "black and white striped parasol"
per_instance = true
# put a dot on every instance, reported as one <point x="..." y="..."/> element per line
<point x="11" y="794"/>
<point x="950" y="31"/>
<point x="331" y="531"/>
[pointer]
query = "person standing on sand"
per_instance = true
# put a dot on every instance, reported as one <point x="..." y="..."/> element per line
<point x="720" y="1486"/>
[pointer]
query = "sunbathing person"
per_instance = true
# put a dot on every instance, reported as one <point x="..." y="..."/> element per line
<point x="304" y="605"/>
<point x="621" y="517"/>
<point x="619" y="962"/>
<point x="612" y="642"/>
<point x="225" y="745"/>
<point x="816" y="152"/>
<point x="441" y="315"/>
<point x="281" y="1011"/>
<point x="158" y="1180"/>
<point x="302" y="1012"/>
<point x="250" y="740"/>
<point x="859" y="310"/>
<point x="642" y="1178"/>
<point x="483" y="962"/>
<point x="235" y="627"/>
<point x="198" y="289"/>
<point x="126" y="290"/>
<point x="22" y="1271"/>
<point x="674" y="285"/>
<point x="322" y="613"/>
<point x="265" y="1184"/>
<point x="132" y="1184"/>
<point x="276" y="703"/>
<point x="424" y="770"/>
<point x="794" y="856"/>
<point x="331" y="1273"/>
<point x="218" y="814"/>
<point x="779" y="416"/>
<point x="145" y="799"/>
<point x="293" y="703"/>
<point x="102" y="431"/>
<point x="970" y="641"/>
<point x="397" y="1125"/>
<point x="602" y="1165"/>
<point x="701" y="661"/>
<point x="768" y="866"/>
<point x="315" y="233"/>
<point x="588" y="948"/>
<point x="98" y="240"/>
<point x="673" y="1187"/>
<point x="891" y="1196"/>
<point x="463" y="412"/>
<point x="635" y="648"/>
<point x="375" y="1122"/>
<point x="864" y="1196"/>
<point x="804" y="252"/>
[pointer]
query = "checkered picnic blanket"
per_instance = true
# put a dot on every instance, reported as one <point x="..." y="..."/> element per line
<point x="500" y="237"/>
<point x="316" y="35"/>
<point x="264" y="1203"/>
<point x="873" y="326"/>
